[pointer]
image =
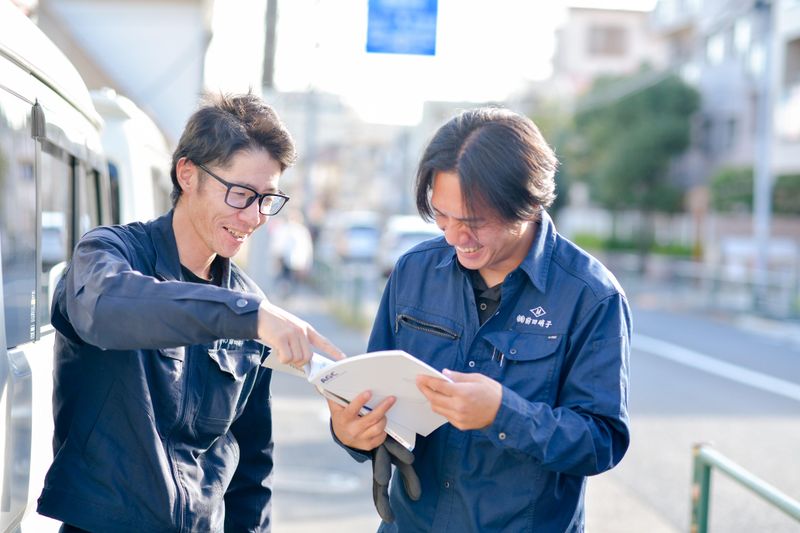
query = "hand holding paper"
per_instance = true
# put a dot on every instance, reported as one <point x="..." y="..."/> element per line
<point x="362" y="432"/>
<point x="469" y="401"/>
<point x="389" y="373"/>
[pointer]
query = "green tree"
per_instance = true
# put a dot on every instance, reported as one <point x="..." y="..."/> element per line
<point x="732" y="191"/>
<point x="555" y="123"/>
<point x="786" y="195"/>
<point x="627" y="133"/>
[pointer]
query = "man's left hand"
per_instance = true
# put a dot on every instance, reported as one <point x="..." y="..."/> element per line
<point x="471" y="401"/>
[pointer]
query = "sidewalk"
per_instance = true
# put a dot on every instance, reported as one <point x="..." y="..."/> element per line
<point x="613" y="508"/>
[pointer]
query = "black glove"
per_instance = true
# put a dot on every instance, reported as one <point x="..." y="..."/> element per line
<point x="384" y="456"/>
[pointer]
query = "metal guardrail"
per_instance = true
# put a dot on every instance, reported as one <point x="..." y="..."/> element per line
<point x="706" y="458"/>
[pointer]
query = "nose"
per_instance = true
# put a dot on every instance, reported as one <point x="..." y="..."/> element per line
<point x="252" y="214"/>
<point x="455" y="232"/>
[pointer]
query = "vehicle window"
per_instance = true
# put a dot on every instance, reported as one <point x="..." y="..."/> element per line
<point x="17" y="219"/>
<point x="161" y="199"/>
<point x="56" y="177"/>
<point x="88" y="201"/>
<point x="113" y="176"/>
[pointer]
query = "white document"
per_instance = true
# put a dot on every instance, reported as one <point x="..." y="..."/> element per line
<point x="385" y="373"/>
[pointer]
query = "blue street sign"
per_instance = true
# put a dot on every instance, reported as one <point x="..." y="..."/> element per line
<point x="402" y="27"/>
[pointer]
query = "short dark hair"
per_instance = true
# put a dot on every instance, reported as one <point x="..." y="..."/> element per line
<point x="502" y="161"/>
<point x="226" y="124"/>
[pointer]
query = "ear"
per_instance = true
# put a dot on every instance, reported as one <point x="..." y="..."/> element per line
<point x="186" y="172"/>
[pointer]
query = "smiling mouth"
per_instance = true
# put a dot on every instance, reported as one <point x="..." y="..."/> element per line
<point x="239" y="236"/>
<point x="468" y="250"/>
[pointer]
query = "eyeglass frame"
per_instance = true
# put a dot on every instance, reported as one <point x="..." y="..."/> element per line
<point x="258" y="196"/>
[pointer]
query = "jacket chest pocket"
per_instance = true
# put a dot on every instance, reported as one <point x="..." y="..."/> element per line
<point x="527" y="363"/>
<point x="228" y="377"/>
<point x="426" y="336"/>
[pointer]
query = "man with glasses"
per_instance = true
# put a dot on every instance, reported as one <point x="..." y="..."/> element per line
<point x="162" y="416"/>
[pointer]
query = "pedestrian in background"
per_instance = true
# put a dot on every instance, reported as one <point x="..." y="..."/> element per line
<point x="533" y="332"/>
<point x="294" y="251"/>
<point x="162" y="415"/>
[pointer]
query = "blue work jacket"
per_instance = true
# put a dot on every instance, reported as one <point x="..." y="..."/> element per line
<point x="559" y="344"/>
<point x="162" y="416"/>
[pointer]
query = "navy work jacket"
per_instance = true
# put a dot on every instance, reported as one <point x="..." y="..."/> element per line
<point x="559" y="345"/>
<point x="162" y="416"/>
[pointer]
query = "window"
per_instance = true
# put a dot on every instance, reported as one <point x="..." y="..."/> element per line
<point x="56" y="176"/>
<point x="113" y="176"/>
<point x="715" y="49"/>
<point x="607" y="41"/>
<point x="17" y="219"/>
<point x="161" y="194"/>
<point x="742" y="35"/>
<point x="791" y="73"/>
<point x="88" y="201"/>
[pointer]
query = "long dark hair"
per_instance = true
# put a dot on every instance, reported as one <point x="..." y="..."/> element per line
<point x="502" y="161"/>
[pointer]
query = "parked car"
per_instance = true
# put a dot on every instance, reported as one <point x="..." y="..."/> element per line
<point x="401" y="233"/>
<point x="349" y="236"/>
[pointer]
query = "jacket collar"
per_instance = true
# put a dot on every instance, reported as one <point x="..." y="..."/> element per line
<point x="168" y="263"/>
<point x="537" y="263"/>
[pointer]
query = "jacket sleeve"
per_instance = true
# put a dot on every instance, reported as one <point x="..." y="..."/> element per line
<point x="587" y="431"/>
<point x="112" y="305"/>
<point x="248" y="500"/>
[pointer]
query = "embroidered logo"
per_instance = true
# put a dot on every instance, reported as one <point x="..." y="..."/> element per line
<point x="536" y="320"/>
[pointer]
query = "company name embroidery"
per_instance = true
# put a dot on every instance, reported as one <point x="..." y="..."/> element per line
<point x="528" y="321"/>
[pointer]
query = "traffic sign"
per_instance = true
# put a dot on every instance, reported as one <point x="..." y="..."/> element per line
<point x="402" y="27"/>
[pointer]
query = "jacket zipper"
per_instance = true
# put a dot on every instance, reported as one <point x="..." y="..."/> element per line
<point x="424" y="326"/>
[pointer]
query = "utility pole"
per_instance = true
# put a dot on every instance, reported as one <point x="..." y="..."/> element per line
<point x="268" y="75"/>
<point x="762" y="182"/>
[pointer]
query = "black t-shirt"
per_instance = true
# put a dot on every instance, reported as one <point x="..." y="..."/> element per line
<point x="216" y="275"/>
<point x="487" y="299"/>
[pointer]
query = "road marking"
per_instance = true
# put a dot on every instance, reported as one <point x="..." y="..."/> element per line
<point x="687" y="357"/>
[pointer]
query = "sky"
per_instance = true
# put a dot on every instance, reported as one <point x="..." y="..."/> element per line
<point x="482" y="53"/>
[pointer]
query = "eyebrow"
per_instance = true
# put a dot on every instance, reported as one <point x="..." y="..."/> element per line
<point x="271" y="190"/>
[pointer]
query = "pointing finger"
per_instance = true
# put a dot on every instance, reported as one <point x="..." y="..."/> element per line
<point x="322" y="342"/>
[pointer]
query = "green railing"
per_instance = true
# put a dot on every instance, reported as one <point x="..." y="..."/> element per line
<point x="706" y="458"/>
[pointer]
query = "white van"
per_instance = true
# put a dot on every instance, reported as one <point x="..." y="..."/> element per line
<point x="53" y="188"/>
<point x="138" y="157"/>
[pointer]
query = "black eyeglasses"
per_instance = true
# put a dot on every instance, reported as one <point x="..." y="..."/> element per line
<point x="242" y="196"/>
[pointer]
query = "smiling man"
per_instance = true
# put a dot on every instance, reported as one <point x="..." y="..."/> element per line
<point x="162" y="416"/>
<point x="533" y="332"/>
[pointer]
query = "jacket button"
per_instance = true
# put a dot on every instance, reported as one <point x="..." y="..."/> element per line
<point x="241" y="302"/>
<point x="472" y="364"/>
<point x="512" y="351"/>
<point x="447" y="484"/>
<point x="501" y="436"/>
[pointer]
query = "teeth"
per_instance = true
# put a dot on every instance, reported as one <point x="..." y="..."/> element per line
<point x="468" y="250"/>
<point x="236" y="233"/>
